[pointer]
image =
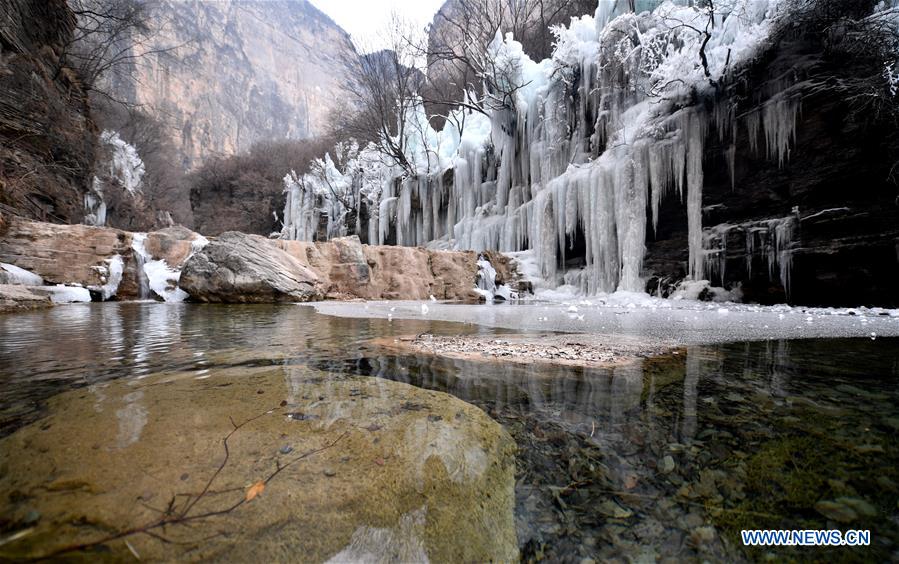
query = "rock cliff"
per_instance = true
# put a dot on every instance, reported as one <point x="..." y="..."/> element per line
<point x="825" y="221"/>
<point x="226" y="74"/>
<point x="46" y="136"/>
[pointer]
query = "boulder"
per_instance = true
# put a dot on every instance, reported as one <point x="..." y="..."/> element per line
<point x="241" y="268"/>
<point x="455" y="275"/>
<point x="21" y="298"/>
<point x="174" y="245"/>
<point x="317" y="468"/>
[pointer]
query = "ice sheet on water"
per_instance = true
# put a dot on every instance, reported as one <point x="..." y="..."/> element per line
<point x="639" y="315"/>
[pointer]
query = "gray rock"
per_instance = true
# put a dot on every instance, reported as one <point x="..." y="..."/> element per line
<point x="241" y="268"/>
<point x="667" y="464"/>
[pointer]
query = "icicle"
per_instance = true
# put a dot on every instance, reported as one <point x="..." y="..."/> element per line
<point x="730" y="155"/>
<point x="695" y="129"/>
<point x="779" y="121"/>
<point x="589" y="142"/>
<point x="753" y="122"/>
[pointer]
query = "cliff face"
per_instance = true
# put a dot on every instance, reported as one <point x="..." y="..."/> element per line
<point x="226" y="74"/>
<point x="821" y="228"/>
<point x="46" y="135"/>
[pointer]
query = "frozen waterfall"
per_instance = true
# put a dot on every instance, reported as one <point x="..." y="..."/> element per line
<point x="597" y="137"/>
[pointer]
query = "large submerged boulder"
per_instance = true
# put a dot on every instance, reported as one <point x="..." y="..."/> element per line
<point x="317" y="468"/>
<point x="241" y="268"/>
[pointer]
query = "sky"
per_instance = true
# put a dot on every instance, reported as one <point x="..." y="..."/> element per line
<point x="365" y="19"/>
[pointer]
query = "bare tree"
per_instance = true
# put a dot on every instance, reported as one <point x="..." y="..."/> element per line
<point x="385" y="90"/>
<point x="110" y="37"/>
<point x="459" y="38"/>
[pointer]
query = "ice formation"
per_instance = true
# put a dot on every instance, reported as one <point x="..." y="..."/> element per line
<point x="125" y="167"/>
<point x="323" y="196"/>
<point x="125" y="164"/>
<point x="62" y="294"/>
<point x="594" y="139"/>
<point x="486" y="282"/>
<point x="155" y="275"/>
<point x="94" y="204"/>
<point x="112" y="277"/>
<point x="769" y="240"/>
<point x="12" y="274"/>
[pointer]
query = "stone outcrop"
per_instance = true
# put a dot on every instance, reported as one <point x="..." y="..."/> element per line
<point x="836" y="188"/>
<point x="241" y="268"/>
<point x="47" y="139"/>
<point x="81" y="254"/>
<point x="21" y="298"/>
<point x="349" y="269"/>
<point x="174" y="245"/>
<point x="236" y="267"/>
<point x="73" y="254"/>
<point x="354" y="469"/>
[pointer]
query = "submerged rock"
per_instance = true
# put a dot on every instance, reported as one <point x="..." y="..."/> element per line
<point x="21" y="298"/>
<point x="113" y="458"/>
<point x="241" y="268"/>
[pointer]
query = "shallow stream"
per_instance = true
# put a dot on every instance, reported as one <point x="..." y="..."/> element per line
<point x="663" y="458"/>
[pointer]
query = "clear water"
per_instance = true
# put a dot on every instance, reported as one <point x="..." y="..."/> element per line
<point x="667" y="458"/>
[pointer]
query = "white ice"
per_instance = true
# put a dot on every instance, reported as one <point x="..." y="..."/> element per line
<point x="12" y="274"/>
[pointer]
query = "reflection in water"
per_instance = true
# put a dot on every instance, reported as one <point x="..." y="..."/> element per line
<point x="691" y="381"/>
<point x="665" y="457"/>
<point x="132" y="418"/>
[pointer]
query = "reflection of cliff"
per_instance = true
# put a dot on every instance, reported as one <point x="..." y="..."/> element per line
<point x="240" y="72"/>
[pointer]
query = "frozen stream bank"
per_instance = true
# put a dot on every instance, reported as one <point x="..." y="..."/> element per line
<point x="682" y="322"/>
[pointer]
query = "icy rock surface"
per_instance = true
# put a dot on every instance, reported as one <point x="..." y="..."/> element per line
<point x="125" y="165"/>
<point x="112" y="276"/>
<point x="156" y="275"/>
<point x="62" y="294"/>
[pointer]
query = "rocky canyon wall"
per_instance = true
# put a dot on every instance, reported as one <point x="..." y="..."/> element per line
<point x="223" y="75"/>
<point x="47" y="139"/>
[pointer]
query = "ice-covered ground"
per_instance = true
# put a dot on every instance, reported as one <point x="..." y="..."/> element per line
<point x="630" y="314"/>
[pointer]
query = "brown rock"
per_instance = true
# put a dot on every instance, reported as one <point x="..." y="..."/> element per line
<point x="349" y="269"/>
<point x="438" y="485"/>
<point x="174" y="245"/>
<point x="68" y="253"/>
